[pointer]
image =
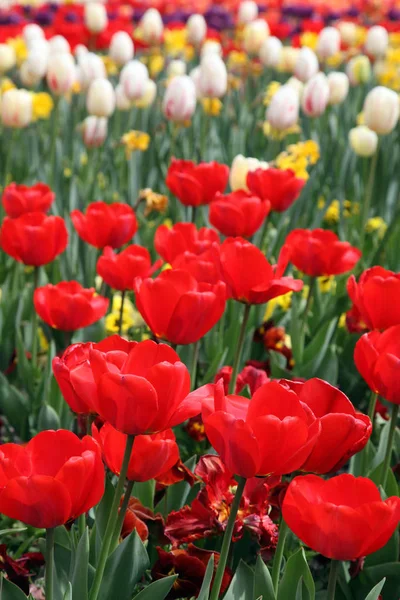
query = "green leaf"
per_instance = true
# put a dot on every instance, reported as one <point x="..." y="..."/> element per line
<point x="316" y="350"/>
<point x="381" y="451"/>
<point x="48" y="418"/>
<point x="375" y="592"/>
<point x="157" y="590"/>
<point x="14" y="406"/>
<point x="296" y="568"/>
<point x="263" y="581"/>
<point x="68" y="592"/>
<point x="391" y="487"/>
<point x="205" y="586"/>
<point x="144" y="491"/>
<point x="392" y="573"/>
<point x="242" y="584"/>
<point x="9" y="591"/>
<point x="81" y="567"/>
<point x="124" y="567"/>
<point x="278" y="364"/>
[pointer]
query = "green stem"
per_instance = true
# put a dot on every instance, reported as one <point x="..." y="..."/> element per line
<point x="112" y="520"/>
<point x="389" y="446"/>
<point x="53" y="142"/>
<point x="239" y="348"/>
<point x="227" y="539"/>
<point x="121" y="313"/>
<point x="121" y="515"/>
<point x="368" y="197"/>
<point x="49" y="574"/>
<point x="276" y="567"/>
<point x="35" y="319"/>
<point x="333" y="574"/>
<point x="195" y="359"/>
<point x="81" y="524"/>
<point x="311" y="289"/>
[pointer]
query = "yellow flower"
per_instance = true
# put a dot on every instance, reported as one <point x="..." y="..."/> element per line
<point x="67" y="172"/>
<point x="168" y="223"/>
<point x="212" y="106"/>
<point x="335" y="60"/>
<point x="6" y="84"/>
<point x="332" y="214"/>
<point x="43" y="342"/>
<point x="130" y="316"/>
<point x="279" y="134"/>
<point x="110" y="65"/>
<point x="76" y="87"/>
<point x="361" y="35"/>
<point x="175" y="41"/>
<point x="83" y="159"/>
<point x="42" y="105"/>
<point x="135" y="140"/>
<point x="321" y="203"/>
<point x="376" y="225"/>
<point x="21" y="51"/>
<point x="237" y="60"/>
<point x="309" y="39"/>
<point x="296" y="164"/>
<point x="156" y="64"/>
<point x="270" y="92"/>
<point x="115" y="197"/>
<point x="327" y="284"/>
<point x="342" y="321"/>
<point x="234" y="83"/>
<point x="308" y="149"/>
<point x="154" y="202"/>
<point x="283" y="302"/>
<point x="394" y="39"/>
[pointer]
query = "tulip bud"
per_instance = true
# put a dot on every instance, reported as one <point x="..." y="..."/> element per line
<point x="61" y="74"/>
<point x="213" y="77"/>
<point x="152" y="26"/>
<point x="28" y="78"/>
<point x="121" y="48"/>
<point x="315" y="96"/>
<point x="363" y="141"/>
<point x="196" y="29"/>
<point x="283" y="111"/>
<point x="80" y="51"/>
<point x="133" y="79"/>
<point x="59" y="45"/>
<point x="94" y="131"/>
<point x="16" y="108"/>
<point x="381" y="110"/>
<point x="195" y="77"/>
<point x="358" y="70"/>
<point x="149" y="95"/>
<point x="122" y="102"/>
<point x="37" y="63"/>
<point x="270" y="52"/>
<point x="7" y="58"/>
<point x="239" y="169"/>
<point x="90" y="67"/>
<point x="306" y="64"/>
<point x="348" y="32"/>
<point x="288" y="59"/>
<point x="211" y="47"/>
<point x="180" y="99"/>
<point x="40" y="45"/>
<point x="32" y="32"/>
<point x="328" y="42"/>
<point x="176" y="67"/>
<point x="247" y="12"/>
<point x="297" y="85"/>
<point x="96" y="19"/>
<point x="255" y="33"/>
<point x="338" y="87"/>
<point x="100" y="100"/>
<point x="377" y="41"/>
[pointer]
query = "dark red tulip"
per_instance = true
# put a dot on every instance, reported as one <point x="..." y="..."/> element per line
<point x="280" y="187"/>
<point x="74" y="374"/>
<point x="376" y="297"/>
<point x="34" y="239"/>
<point x="21" y="199"/>
<point x="189" y="309"/>
<point x="120" y="270"/>
<point x="195" y="185"/>
<point x="313" y="508"/>
<point x="377" y="358"/>
<point x="137" y="517"/>
<point x="54" y="478"/>
<point x="238" y="213"/>
<point x="171" y="242"/>
<point x="317" y="252"/>
<point x="249" y="276"/>
<point x="273" y="433"/>
<point x="69" y="306"/>
<point x="344" y="432"/>
<point x="105" y="224"/>
<point x="250" y="376"/>
<point x="151" y="455"/>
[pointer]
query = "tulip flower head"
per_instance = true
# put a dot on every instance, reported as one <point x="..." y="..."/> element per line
<point x="195" y="185"/>
<point x="105" y="224"/>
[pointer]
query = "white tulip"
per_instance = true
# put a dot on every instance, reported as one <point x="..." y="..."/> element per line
<point x="271" y="51"/>
<point x="283" y="111"/>
<point x="61" y="74"/>
<point x="151" y="26"/>
<point x="7" y="58"/>
<point x="195" y="77"/>
<point x="328" y="42"/>
<point x="176" y="67"/>
<point x="288" y="59"/>
<point x="241" y="166"/>
<point x="16" y="108"/>
<point x="32" y="32"/>
<point x="96" y="19"/>
<point x="90" y="67"/>
<point x="255" y="33"/>
<point x="213" y="77"/>
<point x="94" y="131"/>
<point x="133" y="79"/>
<point x="37" y="63"/>
<point x="80" y="50"/>
<point x="297" y="85"/>
<point x="100" y="100"/>
<point x="381" y="110"/>
<point x="180" y="99"/>
<point x="315" y="96"/>
<point x="59" y="45"/>
<point x="196" y="29"/>
<point x="306" y="64"/>
<point x="348" y="32"/>
<point x="122" y="102"/>
<point x="247" y="12"/>
<point x="363" y="141"/>
<point x="121" y="48"/>
<point x="149" y="95"/>
<point x="377" y="41"/>
<point x="338" y="87"/>
<point x="211" y="47"/>
<point x="28" y="78"/>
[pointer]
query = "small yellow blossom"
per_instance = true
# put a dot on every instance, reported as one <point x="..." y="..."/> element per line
<point x="76" y="87"/>
<point x="110" y="65"/>
<point x="309" y="39"/>
<point x="376" y="225"/>
<point x="135" y="140"/>
<point x="156" y="64"/>
<point x="67" y="172"/>
<point x="342" y="321"/>
<point x="42" y="105"/>
<point x="237" y="60"/>
<point x="212" y="106"/>
<point x="21" y="51"/>
<point x="327" y="284"/>
<point x="154" y="202"/>
<point x="361" y="35"/>
<point x="255" y="68"/>
<point x="321" y="203"/>
<point x="6" y="84"/>
<point x="283" y="302"/>
<point x="175" y="41"/>
<point x="332" y="214"/>
<point x="83" y="159"/>
<point x="298" y="165"/>
<point x="43" y="342"/>
<point x="130" y="316"/>
<point x="335" y="60"/>
<point x="115" y="197"/>
<point x="308" y="149"/>
<point x="279" y="134"/>
<point x="270" y="92"/>
<point x="168" y="223"/>
<point x="102" y="180"/>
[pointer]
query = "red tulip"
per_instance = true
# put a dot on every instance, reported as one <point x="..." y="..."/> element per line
<point x="376" y="297"/>
<point x="280" y="187"/>
<point x="74" y="374"/>
<point x="105" y="224"/>
<point x="249" y="276"/>
<point x="34" y="239"/>
<point x="54" y="478"/>
<point x="69" y="306"/>
<point x="377" y="358"/>
<point x="250" y="376"/>
<point x="120" y="270"/>
<point x="146" y="393"/>
<point x="273" y="433"/>
<point x="151" y="455"/>
<point x="342" y="518"/>
<point x="205" y="266"/>
<point x="189" y="309"/>
<point x="195" y="185"/>
<point x="344" y="432"/>
<point x="21" y="199"/>
<point x="319" y="252"/>
<point x="238" y="213"/>
<point x="171" y="242"/>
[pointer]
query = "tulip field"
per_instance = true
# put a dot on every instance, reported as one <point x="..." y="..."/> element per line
<point x="200" y="300"/>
